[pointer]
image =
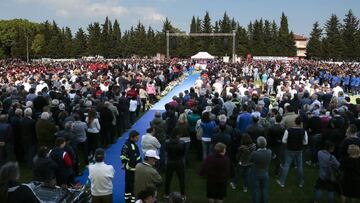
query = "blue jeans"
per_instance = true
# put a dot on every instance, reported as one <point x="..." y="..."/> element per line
<point x="207" y="148"/>
<point x="330" y="196"/>
<point x="244" y="171"/>
<point x="315" y="142"/>
<point x="260" y="186"/>
<point x="297" y="157"/>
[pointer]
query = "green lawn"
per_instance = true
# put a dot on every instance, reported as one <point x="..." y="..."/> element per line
<point x="196" y="187"/>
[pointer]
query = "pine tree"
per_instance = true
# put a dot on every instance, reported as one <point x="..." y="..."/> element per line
<point x="206" y="28"/>
<point x="94" y="42"/>
<point x="80" y="44"/>
<point x="139" y="39"/>
<point x="105" y="38"/>
<point x="198" y="44"/>
<point x="313" y="49"/>
<point x="349" y="34"/>
<point x="333" y="43"/>
<point x="250" y="35"/>
<point x="274" y="47"/>
<point x="192" y="40"/>
<point x="242" y="41"/>
<point x="258" y="38"/>
<point x="116" y="40"/>
<point x="68" y="42"/>
<point x="284" y="36"/>
<point x="55" y="47"/>
<point x="267" y="38"/>
<point x="225" y="27"/>
<point x="152" y="44"/>
<point x="217" y="45"/>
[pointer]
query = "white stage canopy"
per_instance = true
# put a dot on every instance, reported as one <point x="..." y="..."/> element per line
<point x="202" y="55"/>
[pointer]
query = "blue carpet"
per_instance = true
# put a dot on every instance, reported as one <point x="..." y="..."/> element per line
<point x="112" y="155"/>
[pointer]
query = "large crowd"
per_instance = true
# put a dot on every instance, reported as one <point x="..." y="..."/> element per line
<point x="236" y="119"/>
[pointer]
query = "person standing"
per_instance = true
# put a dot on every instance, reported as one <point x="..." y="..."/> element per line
<point x="207" y="126"/>
<point x="216" y="170"/>
<point x="175" y="150"/>
<point x="243" y="164"/>
<point x="350" y="166"/>
<point x="261" y="159"/>
<point x="6" y="141"/>
<point x="130" y="157"/>
<point x="132" y="109"/>
<point x="28" y="137"/>
<point x="45" y="130"/>
<point x="145" y="173"/>
<point x="101" y="176"/>
<point x="294" y="138"/>
<point x="149" y="141"/>
<point x="92" y="132"/>
<point x="324" y="182"/>
<point x="63" y="161"/>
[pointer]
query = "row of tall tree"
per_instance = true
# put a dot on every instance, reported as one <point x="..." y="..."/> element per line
<point x="260" y="37"/>
<point x="336" y="40"/>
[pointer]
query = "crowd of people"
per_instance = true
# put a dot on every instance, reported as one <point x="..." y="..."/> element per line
<point x="54" y="115"/>
<point x="238" y="119"/>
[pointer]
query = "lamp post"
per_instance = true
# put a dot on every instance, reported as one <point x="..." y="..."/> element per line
<point x="27" y="49"/>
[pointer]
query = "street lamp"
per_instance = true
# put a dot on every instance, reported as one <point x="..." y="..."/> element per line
<point x="27" y="48"/>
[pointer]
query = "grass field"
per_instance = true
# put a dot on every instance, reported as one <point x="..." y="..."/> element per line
<point x="196" y="187"/>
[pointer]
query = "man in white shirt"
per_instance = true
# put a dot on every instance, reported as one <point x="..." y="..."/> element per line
<point x="132" y="109"/>
<point x="101" y="176"/>
<point x="149" y="141"/>
<point x="270" y="84"/>
<point x="336" y="90"/>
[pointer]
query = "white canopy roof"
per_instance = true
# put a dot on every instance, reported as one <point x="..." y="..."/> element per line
<point x="202" y="55"/>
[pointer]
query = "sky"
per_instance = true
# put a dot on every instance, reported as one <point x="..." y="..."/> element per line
<point x="80" y="13"/>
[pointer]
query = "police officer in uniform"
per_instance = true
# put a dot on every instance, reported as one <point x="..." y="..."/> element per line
<point x="130" y="156"/>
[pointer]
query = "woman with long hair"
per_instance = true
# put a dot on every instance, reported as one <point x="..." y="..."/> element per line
<point x="92" y="132"/>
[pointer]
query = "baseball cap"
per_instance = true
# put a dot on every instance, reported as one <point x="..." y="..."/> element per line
<point x="151" y="154"/>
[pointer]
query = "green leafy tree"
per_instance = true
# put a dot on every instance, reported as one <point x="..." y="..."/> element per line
<point x="105" y="38"/>
<point x="258" y="38"/>
<point x="94" y="43"/>
<point x="68" y="42"/>
<point x="242" y="41"/>
<point x="55" y="48"/>
<point x="284" y="36"/>
<point x="206" y="28"/>
<point x="38" y="44"/>
<point x="333" y="42"/>
<point x="80" y="44"/>
<point x="267" y="38"/>
<point x="116" y="40"/>
<point x="274" y="34"/>
<point x="349" y="34"/>
<point x="313" y="49"/>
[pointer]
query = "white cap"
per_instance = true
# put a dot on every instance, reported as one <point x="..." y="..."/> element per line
<point x="152" y="154"/>
<point x="55" y="102"/>
<point x="29" y="104"/>
<point x="62" y="106"/>
<point x="45" y="116"/>
<point x="88" y="103"/>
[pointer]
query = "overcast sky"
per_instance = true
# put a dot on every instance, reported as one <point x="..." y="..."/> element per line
<point x="79" y="13"/>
